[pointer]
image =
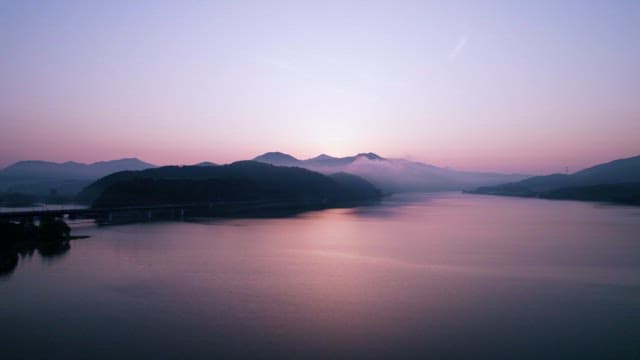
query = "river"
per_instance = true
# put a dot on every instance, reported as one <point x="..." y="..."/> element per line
<point x="441" y="276"/>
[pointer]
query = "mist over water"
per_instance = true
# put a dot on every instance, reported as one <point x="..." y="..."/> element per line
<point x="421" y="275"/>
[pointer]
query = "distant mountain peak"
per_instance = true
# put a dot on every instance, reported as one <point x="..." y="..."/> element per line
<point x="391" y="174"/>
<point x="206" y="163"/>
<point x="323" y="157"/>
<point x="323" y="160"/>
<point x="72" y="169"/>
<point x="276" y="158"/>
<point x="370" y="156"/>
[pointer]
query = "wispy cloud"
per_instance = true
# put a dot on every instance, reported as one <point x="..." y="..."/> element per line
<point x="462" y="41"/>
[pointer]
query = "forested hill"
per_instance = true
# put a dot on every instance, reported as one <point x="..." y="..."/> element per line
<point x="239" y="181"/>
<point x="615" y="181"/>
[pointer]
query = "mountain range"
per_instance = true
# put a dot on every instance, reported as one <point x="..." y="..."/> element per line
<point x="71" y="169"/>
<point x="614" y="181"/>
<point x="65" y="179"/>
<point x="389" y="175"/>
<point x="239" y="181"/>
<point x="393" y="175"/>
<point x="617" y="181"/>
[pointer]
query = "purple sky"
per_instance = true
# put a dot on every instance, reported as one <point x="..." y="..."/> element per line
<point x="478" y="85"/>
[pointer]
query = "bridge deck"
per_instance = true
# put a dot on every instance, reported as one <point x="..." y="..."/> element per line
<point x="97" y="211"/>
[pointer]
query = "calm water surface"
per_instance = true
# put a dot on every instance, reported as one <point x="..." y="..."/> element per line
<point x="423" y="276"/>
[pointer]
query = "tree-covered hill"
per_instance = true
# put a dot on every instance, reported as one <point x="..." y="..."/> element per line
<point x="240" y="181"/>
<point x="616" y="181"/>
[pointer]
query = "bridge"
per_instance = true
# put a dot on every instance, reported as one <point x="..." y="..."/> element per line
<point x="108" y="214"/>
<point x="141" y="213"/>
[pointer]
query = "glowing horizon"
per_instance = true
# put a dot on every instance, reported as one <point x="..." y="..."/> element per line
<point x="527" y="88"/>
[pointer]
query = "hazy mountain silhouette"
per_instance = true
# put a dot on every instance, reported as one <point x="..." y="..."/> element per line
<point x="323" y="160"/>
<point x="239" y="181"/>
<point x="616" y="181"/>
<point x="206" y="163"/>
<point x="277" y="158"/>
<point x="66" y="179"/>
<point x="70" y="169"/>
<point x="393" y="175"/>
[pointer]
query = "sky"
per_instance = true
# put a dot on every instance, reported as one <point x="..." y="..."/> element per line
<point x="511" y="86"/>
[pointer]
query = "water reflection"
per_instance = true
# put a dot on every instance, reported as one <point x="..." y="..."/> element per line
<point x="53" y="250"/>
<point x="9" y="258"/>
<point x="445" y="276"/>
<point x="49" y="236"/>
<point x="8" y="262"/>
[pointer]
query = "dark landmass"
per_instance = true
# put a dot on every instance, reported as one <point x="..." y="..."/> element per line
<point x="71" y="169"/>
<point x="43" y="181"/>
<point x="243" y="181"/>
<point x="628" y="193"/>
<point x="49" y="238"/>
<point x="47" y="182"/>
<point x="617" y="181"/>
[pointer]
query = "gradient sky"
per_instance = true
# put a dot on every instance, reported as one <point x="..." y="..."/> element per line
<point x="478" y="85"/>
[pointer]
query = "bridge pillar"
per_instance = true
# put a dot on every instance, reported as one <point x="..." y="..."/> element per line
<point x="181" y="214"/>
<point x="149" y="214"/>
<point x="110" y="217"/>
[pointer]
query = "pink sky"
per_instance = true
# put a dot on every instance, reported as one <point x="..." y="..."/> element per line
<point x="492" y="86"/>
